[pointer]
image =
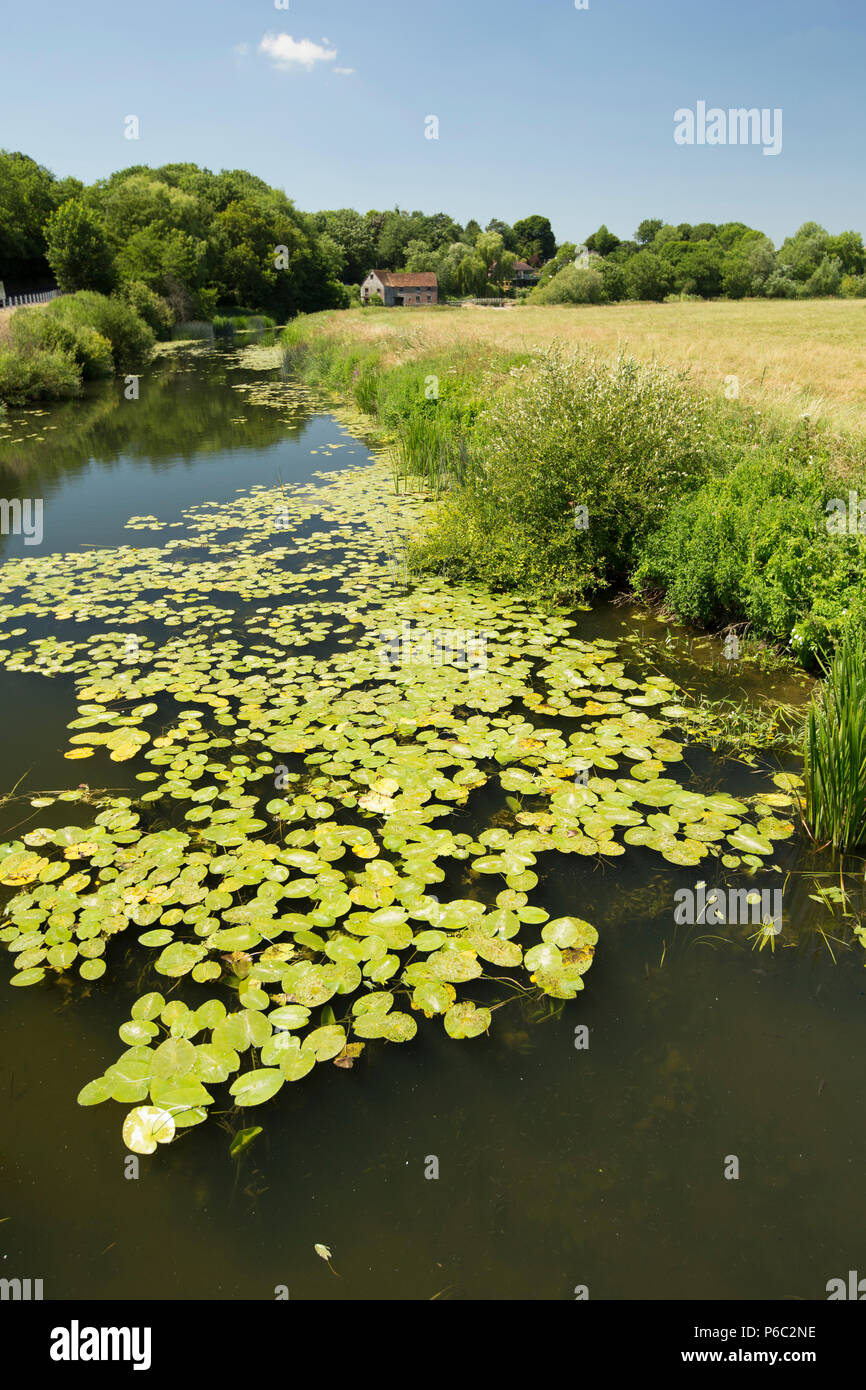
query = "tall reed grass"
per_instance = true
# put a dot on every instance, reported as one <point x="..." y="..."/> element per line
<point x="835" y="750"/>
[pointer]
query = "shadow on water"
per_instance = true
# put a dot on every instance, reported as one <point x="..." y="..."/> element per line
<point x="558" y="1165"/>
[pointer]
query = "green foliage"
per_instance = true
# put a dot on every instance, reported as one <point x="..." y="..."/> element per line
<point x="30" y="194"/>
<point x="534" y="238"/>
<point x="34" y="330"/>
<point x="853" y="286"/>
<point x="646" y="232"/>
<point x="724" y="515"/>
<point x="647" y="276"/>
<point x="81" y="336"/>
<point x="130" y="337"/>
<point x="753" y="544"/>
<point x="46" y="375"/>
<point x="602" y="241"/>
<point x="78" y="250"/>
<point x="695" y="267"/>
<point x="571" y="286"/>
<point x="620" y="441"/>
<point x="201" y="240"/>
<point x="835" y="750"/>
<point x="149" y="306"/>
<point x="826" y="277"/>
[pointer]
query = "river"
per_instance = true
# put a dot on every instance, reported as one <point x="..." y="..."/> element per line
<point x="533" y="1161"/>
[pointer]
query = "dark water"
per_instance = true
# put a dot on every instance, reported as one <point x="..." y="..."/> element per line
<point x="558" y="1167"/>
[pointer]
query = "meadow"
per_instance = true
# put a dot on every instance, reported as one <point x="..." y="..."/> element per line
<point x="793" y="356"/>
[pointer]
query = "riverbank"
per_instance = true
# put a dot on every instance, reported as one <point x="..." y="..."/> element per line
<point x="563" y="472"/>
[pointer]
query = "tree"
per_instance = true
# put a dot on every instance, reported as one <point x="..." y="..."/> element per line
<point x="826" y="278"/>
<point x="613" y="282"/>
<point x="355" y="236"/>
<point x="29" y="194"/>
<point x="602" y="241"/>
<point x="420" y="256"/>
<point x="847" y="247"/>
<point x="696" y="266"/>
<point x="489" y="247"/>
<point x="645" y="233"/>
<point x="565" y="255"/>
<point x="535" y="239"/>
<point x="647" y="276"/>
<point x="472" y="275"/>
<point x="509" y="240"/>
<point x="78" y="249"/>
<point x="438" y="230"/>
<point x="502" y="271"/>
<point x="801" y="254"/>
<point x="472" y="232"/>
<point x="748" y="265"/>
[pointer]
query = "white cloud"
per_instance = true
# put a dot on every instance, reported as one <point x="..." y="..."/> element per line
<point x="289" y="53"/>
<point x="344" y="72"/>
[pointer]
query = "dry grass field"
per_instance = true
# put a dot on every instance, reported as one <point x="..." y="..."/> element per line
<point x="798" y="357"/>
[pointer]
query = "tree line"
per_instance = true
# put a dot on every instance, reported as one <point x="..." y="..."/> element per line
<point x="200" y="242"/>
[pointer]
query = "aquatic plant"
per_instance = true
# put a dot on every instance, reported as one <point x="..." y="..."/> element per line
<point x="299" y="866"/>
<point x="835" y="750"/>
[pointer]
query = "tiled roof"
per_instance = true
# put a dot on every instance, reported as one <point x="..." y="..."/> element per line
<point x="403" y="279"/>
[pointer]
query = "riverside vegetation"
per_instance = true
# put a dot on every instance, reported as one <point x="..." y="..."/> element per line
<point x="561" y="474"/>
<point x="701" y="502"/>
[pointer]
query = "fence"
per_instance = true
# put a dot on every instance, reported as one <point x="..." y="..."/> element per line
<point x="14" y="301"/>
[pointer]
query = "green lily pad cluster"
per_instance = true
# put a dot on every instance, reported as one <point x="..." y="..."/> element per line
<point x="305" y="833"/>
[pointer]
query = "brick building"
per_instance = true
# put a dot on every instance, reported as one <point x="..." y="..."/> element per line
<point x="404" y="287"/>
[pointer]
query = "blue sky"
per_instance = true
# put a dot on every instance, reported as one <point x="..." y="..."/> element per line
<point x="542" y="107"/>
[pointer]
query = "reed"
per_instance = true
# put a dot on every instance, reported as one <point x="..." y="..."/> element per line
<point x="835" y="750"/>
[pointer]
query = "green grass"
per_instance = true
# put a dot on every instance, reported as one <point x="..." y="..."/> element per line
<point x="835" y="751"/>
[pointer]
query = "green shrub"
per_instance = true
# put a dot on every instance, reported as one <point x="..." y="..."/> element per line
<point x="130" y="337"/>
<point x="621" y="441"/>
<point x="33" y="330"/>
<point x="44" y="375"/>
<point x="835" y="750"/>
<point x="149" y="305"/>
<point x="853" y="286"/>
<point x="754" y="544"/>
<point x="571" y="286"/>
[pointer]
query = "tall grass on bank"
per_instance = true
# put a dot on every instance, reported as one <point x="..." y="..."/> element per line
<point x="226" y="325"/>
<point x="563" y="473"/>
<point x="835" y="750"/>
<point x="427" y="413"/>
